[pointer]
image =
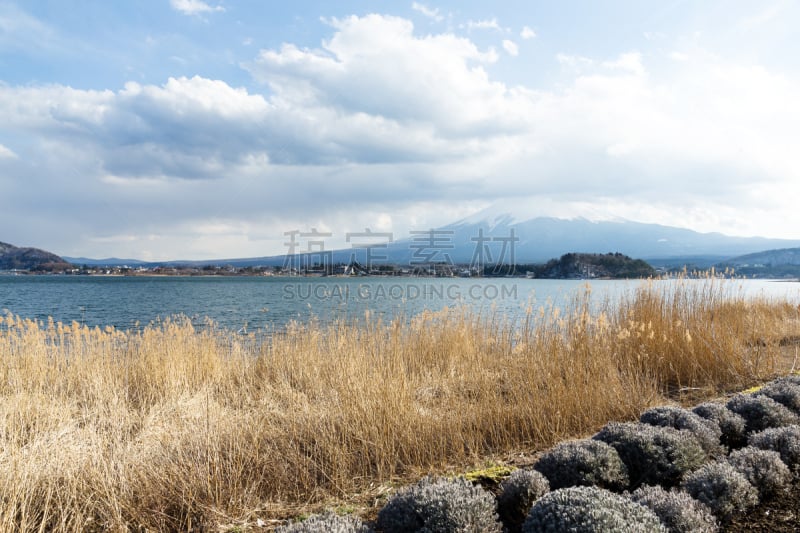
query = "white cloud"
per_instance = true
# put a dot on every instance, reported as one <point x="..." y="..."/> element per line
<point x="527" y="33"/>
<point x="7" y="153"/>
<point x="510" y="47"/>
<point x="573" y="62"/>
<point x="376" y="67"/>
<point x="488" y="24"/>
<point x="188" y="128"/>
<point x="631" y="62"/>
<point x="427" y="11"/>
<point x="653" y="35"/>
<point x="380" y="120"/>
<point x="194" y="7"/>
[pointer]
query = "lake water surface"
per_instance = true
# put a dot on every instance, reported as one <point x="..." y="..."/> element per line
<point x="271" y="302"/>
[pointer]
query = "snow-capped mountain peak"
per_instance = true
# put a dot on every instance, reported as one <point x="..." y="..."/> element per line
<point x="518" y="211"/>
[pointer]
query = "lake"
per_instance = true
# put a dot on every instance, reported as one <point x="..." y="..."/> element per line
<point x="255" y="303"/>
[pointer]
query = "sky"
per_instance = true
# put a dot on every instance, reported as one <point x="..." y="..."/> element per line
<point x="204" y="129"/>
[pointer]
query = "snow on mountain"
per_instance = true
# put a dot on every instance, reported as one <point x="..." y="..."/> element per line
<point x="544" y="231"/>
<point x="518" y="211"/>
<point x="524" y="232"/>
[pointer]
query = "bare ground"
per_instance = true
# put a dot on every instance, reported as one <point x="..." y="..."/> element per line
<point x="779" y="514"/>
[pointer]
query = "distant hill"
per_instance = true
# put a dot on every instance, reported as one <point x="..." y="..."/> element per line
<point x="783" y="256"/>
<point x="537" y="240"/>
<point x="109" y="261"/>
<point x="541" y="238"/>
<point x="780" y="263"/>
<point x="579" y="265"/>
<point x="34" y="259"/>
<point x="487" y="238"/>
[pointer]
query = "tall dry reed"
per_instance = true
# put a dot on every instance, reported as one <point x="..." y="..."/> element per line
<point x="174" y="428"/>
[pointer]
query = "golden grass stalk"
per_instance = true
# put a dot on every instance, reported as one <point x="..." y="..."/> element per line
<point x="173" y="428"/>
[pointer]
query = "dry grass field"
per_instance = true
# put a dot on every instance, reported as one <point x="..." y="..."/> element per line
<point x="176" y="428"/>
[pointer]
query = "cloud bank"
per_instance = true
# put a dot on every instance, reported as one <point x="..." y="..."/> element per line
<point x="384" y="126"/>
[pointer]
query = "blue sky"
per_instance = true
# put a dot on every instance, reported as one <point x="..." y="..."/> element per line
<point x="199" y="129"/>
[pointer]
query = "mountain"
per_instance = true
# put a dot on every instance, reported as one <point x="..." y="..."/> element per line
<point x="505" y="237"/>
<point x="542" y="238"/>
<point x="110" y="261"/>
<point x="782" y="257"/>
<point x="784" y="262"/>
<point x="14" y="258"/>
